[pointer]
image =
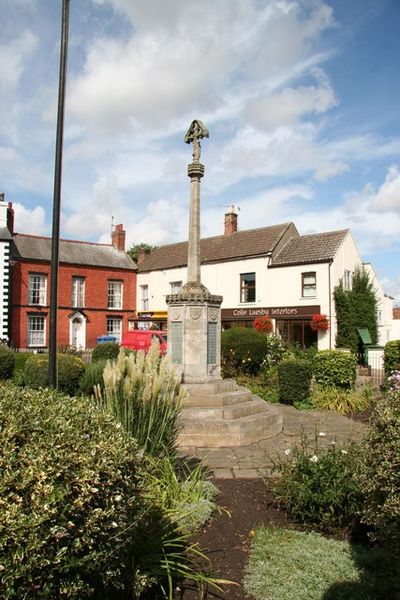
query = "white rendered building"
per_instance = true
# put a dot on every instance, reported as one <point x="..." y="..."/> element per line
<point x="6" y="224"/>
<point x="266" y="271"/>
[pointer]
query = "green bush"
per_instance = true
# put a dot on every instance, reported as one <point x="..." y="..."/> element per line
<point x="276" y="351"/>
<point x="105" y="351"/>
<point x="92" y="377"/>
<point x="392" y="356"/>
<point x="380" y="473"/>
<point x="7" y="362"/>
<point x="335" y="368"/>
<point x="243" y="350"/>
<point x="69" y="369"/>
<point x="294" y="379"/>
<point x="143" y="394"/>
<point x="68" y="496"/>
<point x="317" y="485"/>
<point x="341" y="400"/>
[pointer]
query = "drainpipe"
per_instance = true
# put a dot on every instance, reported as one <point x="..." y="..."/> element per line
<point x="330" y="304"/>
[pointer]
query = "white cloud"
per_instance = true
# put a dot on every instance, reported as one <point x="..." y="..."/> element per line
<point x="31" y="221"/>
<point x="387" y="198"/>
<point x="328" y="170"/>
<point x="13" y="55"/>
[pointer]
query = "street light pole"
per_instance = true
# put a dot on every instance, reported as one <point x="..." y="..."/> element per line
<point x="55" y="238"/>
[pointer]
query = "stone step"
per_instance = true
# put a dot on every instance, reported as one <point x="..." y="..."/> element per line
<point x="249" y="406"/>
<point x="211" y="387"/>
<point x="219" y="399"/>
<point x="239" y="431"/>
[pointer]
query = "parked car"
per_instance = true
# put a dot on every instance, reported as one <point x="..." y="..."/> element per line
<point x="140" y="339"/>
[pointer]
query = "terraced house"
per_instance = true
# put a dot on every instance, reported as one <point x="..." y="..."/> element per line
<point x="270" y="271"/>
<point x="96" y="292"/>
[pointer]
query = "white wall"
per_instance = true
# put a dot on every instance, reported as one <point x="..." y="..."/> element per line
<point x="4" y="275"/>
<point x="384" y="308"/>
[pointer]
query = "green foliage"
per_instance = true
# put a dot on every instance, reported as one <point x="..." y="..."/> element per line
<point x="243" y="350"/>
<point x="69" y="370"/>
<point x="335" y="368"/>
<point x="136" y="248"/>
<point x="142" y="393"/>
<point x="20" y="360"/>
<point x="356" y="308"/>
<point x="380" y="473"/>
<point x="7" y="362"/>
<point x="68" y="496"/>
<point x="276" y="351"/>
<point x="105" y="351"/>
<point x="294" y="378"/>
<point x="295" y="565"/>
<point x="392" y="356"/>
<point x="317" y="487"/>
<point x="92" y="377"/>
<point x="340" y="400"/>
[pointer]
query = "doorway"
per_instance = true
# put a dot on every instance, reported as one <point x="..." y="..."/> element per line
<point x="78" y="332"/>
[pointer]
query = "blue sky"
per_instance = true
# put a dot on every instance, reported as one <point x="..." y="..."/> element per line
<point x="300" y="98"/>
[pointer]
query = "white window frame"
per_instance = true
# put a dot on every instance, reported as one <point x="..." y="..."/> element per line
<point x="115" y="294"/>
<point x="347" y="280"/>
<point x="247" y="288"/>
<point x="176" y="287"/>
<point x="78" y="291"/>
<point x="114" y="327"/>
<point x="36" y="335"/>
<point x="309" y="284"/>
<point x="37" y="289"/>
<point x="144" y="297"/>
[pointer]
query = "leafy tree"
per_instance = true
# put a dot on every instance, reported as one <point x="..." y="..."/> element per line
<point x="356" y="308"/>
<point x="136" y="248"/>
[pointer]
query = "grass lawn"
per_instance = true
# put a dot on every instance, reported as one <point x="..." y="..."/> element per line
<point x="292" y="565"/>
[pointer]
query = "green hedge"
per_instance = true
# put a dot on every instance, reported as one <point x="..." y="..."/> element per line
<point x="68" y="497"/>
<point x="392" y="356"/>
<point x="69" y="369"/>
<point x="7" y="362"/>
<point x="243" y="350"/>
<point x="105" y="351"/>
<point x="294" y="380"/>
<point x="335" y="368"/>
<point x="92" y="376"/>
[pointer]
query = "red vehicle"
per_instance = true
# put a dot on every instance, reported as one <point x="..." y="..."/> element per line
<point x="140" y="339"/>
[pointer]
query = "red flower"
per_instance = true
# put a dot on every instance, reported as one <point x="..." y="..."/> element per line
<point x="263" y="324"/>
<point x="319" y="323"/>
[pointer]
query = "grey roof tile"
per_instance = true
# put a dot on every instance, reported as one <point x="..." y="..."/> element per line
<point x="31" y="247"/>
<point x="313" y="248"/>
<point x="241" y="244"/>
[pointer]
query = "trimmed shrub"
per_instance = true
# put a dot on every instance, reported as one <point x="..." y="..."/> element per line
<point x="335" y="368"/>
<point x="243" y="350"/>
<point x="317" y="485"/>
<point x="69" y="369"/>
<point x="7" y="362"/>
<point x="392" y="356"/>
<point x="105" y="351"/>
<point x="380" y="473"/>
<point x="92" y="377"/>
<point x="68" y="497"/>
<point x="294" y="380"/>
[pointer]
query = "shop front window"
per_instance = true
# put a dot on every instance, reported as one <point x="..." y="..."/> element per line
<point x="297" y="333"/>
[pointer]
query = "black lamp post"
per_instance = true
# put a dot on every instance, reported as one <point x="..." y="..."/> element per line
<point x="55" y="238"/>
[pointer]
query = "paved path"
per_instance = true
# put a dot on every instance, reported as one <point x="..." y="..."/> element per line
<point x="257" y="459"/>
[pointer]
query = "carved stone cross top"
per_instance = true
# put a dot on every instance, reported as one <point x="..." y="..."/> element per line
<point x="195" y="133"/>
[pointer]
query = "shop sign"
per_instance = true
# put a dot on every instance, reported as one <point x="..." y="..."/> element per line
<point x="275" y="312"/>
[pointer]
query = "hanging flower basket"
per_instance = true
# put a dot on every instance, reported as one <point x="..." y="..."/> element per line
<point x="319" y="323"/>
<point x="263" y="325"/>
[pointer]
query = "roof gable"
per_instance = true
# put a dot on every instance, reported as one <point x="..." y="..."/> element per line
<point x="306" y="249"/>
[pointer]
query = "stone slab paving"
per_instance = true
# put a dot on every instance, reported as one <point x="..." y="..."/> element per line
<point x="258" y="459"/>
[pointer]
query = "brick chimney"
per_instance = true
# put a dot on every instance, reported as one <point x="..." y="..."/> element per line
<point x="230" y="221"/>
<point x="118" y="238"/>
<point x="142" y="255"/>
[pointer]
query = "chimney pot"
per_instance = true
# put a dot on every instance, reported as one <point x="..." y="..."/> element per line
<point x="118" y="237"/>
<point x="230" y="221"/>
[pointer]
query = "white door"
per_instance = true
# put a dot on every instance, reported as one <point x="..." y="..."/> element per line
<point x="78" y="333"/>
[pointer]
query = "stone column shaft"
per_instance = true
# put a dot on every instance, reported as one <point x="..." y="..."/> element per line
<point x="195" y="172"/>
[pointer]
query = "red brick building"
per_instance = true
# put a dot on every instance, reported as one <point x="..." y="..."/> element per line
<point x="96" y="291"/>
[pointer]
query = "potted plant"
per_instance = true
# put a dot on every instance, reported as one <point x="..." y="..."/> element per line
<point x="263" y="325"/>
<point x="319" y="323"/>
